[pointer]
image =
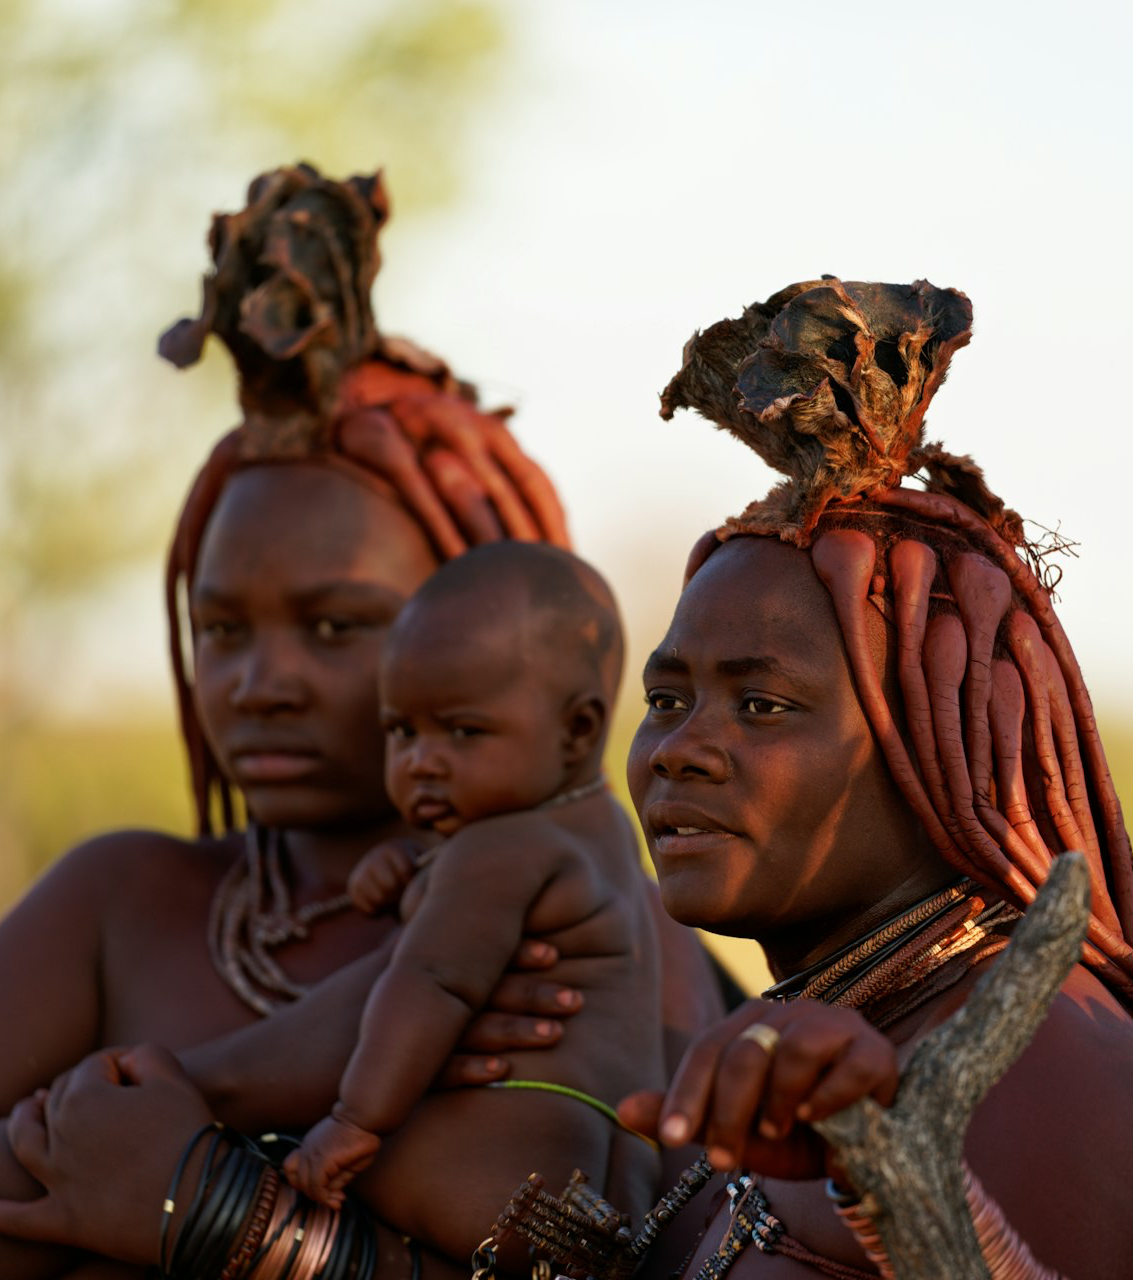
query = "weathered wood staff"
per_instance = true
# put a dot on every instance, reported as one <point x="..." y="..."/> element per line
<point x="920" y="1210"/>
<point x="906" y="1161"/>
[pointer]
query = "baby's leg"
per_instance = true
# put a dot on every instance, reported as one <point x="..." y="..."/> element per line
<point x="331" y="1156"/>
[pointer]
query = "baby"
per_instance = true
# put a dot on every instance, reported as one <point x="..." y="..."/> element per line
<point x="497" y="680"/>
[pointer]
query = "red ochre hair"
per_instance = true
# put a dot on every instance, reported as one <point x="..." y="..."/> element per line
<point x="999" y="757"/>
<point x="289" y="296"/>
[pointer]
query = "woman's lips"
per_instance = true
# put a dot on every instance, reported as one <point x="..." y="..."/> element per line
<point x="689" y="840"/>
<point x="274" y="766"/>
<point x="676" y="830"/>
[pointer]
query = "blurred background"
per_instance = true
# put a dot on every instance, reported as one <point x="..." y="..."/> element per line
<point x="576" y="186"/>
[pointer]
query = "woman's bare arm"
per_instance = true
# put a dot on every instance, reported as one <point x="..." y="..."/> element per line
<point x="50" y="957"/>
<point x="284" y="1071"/>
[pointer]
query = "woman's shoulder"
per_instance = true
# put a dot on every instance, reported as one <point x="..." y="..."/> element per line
<point x="1051" y="1139"/>
<point x="126" y="862"/>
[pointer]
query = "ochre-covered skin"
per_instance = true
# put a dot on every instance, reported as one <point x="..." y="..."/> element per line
<point x="756" y="770"/>
<point x="829" y="381"/>
<point x="335" y="392"/>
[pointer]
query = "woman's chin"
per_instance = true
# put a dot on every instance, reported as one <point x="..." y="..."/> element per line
<point x="293" y="810"/>
<point x="700" y="907"/>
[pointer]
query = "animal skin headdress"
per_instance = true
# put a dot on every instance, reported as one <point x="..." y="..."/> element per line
<point x="829" y="381"/>
<point x="289" y="295"/>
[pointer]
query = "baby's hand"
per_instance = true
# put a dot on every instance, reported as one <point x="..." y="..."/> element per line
<point x="332" y="1155"/>
<point x="749" y="1088"/>
<point x="378" y="881"/>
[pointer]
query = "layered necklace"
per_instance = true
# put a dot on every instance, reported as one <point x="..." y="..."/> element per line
<point x="252" y="914"/>
<point x="887" y="974"/>
<point x="906" y="954"/>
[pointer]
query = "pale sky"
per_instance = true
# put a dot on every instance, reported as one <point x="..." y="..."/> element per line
<point x="650" y="167"/>
<point x="664" y="164"/>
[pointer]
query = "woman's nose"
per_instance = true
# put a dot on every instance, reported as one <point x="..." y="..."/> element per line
<point x="269" y="679"/>
<point x="693" y="749"/>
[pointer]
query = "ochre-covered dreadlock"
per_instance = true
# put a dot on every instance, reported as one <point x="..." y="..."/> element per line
<point x="289" y="296"/>
<point x="828" y="381"/>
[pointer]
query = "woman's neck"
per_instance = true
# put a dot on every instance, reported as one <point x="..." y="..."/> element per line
<point x="801" y="947"/>
<point x="320" y="860"/>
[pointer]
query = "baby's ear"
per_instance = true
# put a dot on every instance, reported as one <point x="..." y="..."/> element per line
<point x="584" y="726"/>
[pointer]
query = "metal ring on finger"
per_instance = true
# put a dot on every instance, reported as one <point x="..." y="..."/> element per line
<point x="764" y="1035"/>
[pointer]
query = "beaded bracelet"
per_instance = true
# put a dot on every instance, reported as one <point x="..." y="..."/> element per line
<point x="1005" y="1256"/>
<point x="848" y="1207"/>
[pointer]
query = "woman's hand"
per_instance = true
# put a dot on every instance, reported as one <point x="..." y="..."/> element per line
<point x="524" y="1012"/>
<point x="749" y="1088"/>
<point x="103" y="1142"/>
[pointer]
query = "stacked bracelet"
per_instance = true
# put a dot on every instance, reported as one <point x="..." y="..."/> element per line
<point x="245" y="1223"/>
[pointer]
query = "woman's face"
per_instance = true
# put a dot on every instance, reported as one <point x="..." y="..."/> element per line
<point x="768" y="809"/>
<point x="301" y="572"/>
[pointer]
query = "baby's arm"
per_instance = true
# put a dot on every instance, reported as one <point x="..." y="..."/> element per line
<point x="448" y="959"/>
<point x="378" y="881"/>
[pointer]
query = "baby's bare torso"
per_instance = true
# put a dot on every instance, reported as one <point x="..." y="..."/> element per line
<point x="569" y="874"/>
<point x="592" y="906"/>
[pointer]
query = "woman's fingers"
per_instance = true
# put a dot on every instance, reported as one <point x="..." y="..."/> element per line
<point x="685" y="1107"/>
<point x="525" y="993"/>
<point x="524" y="1012"/>
<point x="495" y="1032"/>
<point x="40" y="1219"/>
<point x="489" y="1036"/>
<point x="742" y="1072"/>
<point x="798" y="1063"/>
<point x="868" y="1070"/>
<point x="140" y="1064"/>
<point x="534" y="954"/>
<point x="744" y="1087"/>
<point x="826" y="1060"/>
<point x="27" y="1132"/>
<point x="35" y="1220"/>
<point x="642" y="1111"/>
<point x="467" y="1070"/>
<point x="686" y="1111"/>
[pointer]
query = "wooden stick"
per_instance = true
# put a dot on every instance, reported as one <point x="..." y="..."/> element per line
<point x="905" y="1161"/>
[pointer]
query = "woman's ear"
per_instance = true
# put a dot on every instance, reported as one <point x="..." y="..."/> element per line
<point x="584" y="726"/>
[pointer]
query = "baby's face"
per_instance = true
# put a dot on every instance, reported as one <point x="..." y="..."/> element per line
<point x="469" y="734"/>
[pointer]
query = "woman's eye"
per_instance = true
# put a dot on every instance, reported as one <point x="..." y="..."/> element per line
<point x="333" y="628"/>
<point x="753" y="704"/>
<point x="466" y="731"/>
<point x="401" y="732"/>
<point x="219" y="629"/>
<point x="658" y="700"/>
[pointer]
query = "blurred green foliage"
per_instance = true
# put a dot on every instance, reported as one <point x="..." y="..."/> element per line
<point x="123" y="123"/>
<point x="120" y="123"/>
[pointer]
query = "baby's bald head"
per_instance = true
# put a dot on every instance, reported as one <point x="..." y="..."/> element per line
<point x="540" y="608"/>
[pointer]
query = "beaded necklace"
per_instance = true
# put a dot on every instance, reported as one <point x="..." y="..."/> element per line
<point x="903" y="953"/>
<point x="251" y="914"/>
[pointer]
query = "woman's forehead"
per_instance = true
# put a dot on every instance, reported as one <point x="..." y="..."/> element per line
<point x="758" y="592"/>
<point x="303" y="520"/>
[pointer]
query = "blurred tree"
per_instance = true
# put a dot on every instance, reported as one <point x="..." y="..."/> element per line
<point x="121" y="123"/>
